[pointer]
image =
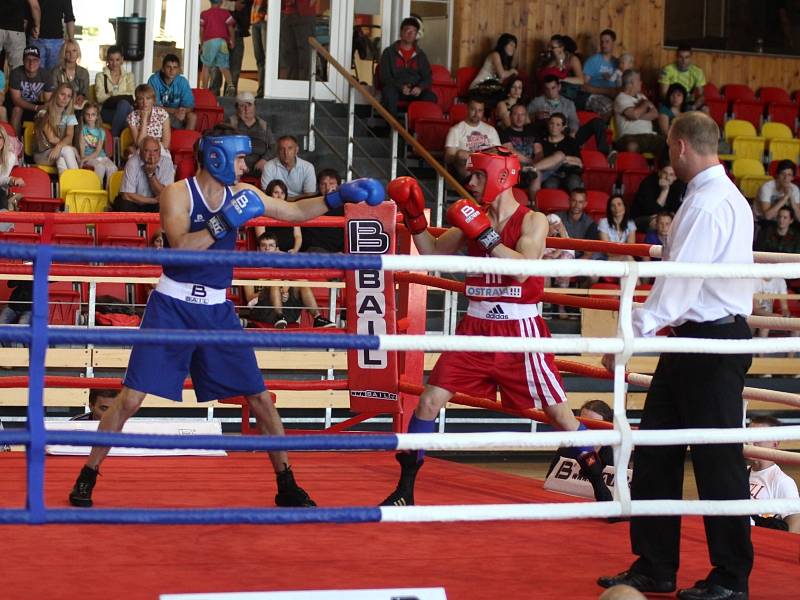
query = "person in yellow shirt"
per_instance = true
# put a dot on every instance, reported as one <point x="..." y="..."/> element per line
<point x="689" y="75"/>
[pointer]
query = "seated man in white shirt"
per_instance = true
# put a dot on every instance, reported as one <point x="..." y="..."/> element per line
<point x="780" y="192"/>
<point x="767" y="480"/>
<point x="296" y="173"/>
<point x="635" y="115"/>
<point x="466" y="137"/>
<point x="764" y="307"/>
<point x="146" y="175"/>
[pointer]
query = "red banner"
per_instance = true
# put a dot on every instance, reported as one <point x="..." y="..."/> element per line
<point x="371" y="308"/>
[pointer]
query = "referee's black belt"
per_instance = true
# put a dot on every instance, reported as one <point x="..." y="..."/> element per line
<point x="726" y="320"/>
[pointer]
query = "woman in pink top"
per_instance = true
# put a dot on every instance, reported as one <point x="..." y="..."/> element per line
<point x="217" y="33"/>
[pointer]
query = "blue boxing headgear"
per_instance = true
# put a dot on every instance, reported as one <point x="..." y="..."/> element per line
<point x="219" y="154"/>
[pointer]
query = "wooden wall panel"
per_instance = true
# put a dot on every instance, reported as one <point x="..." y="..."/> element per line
<point x="639" y="25"/>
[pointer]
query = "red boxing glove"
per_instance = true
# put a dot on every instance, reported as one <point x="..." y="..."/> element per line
<point x="407" y="194"/>
<point x="474" y="223"/>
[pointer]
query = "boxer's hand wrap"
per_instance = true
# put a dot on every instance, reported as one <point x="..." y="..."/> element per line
<point x="243" y="206"/>
<point x="359" y="190"/>
<point x="407" y="194"/>
<point x="470" y="219"/>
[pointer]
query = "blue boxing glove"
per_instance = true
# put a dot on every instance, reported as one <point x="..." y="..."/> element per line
<point x="359" y="190"/>
<point x="243" y="206"/>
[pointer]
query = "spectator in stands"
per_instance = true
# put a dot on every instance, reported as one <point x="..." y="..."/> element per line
<point x="674" y="103"/>
<point x="552" y="101"/>
<point x="114" y="88"/>
<point x="298" y="18"/>
<point x="659" y="234"/>
<point x="470" y="135"/>
<point x="558" y="230"/>
<point x="326" y="239"/>
<point x="91" y="144"/>
<point x="18" y="309"/>
<point x="257" y="129"/>
<point x="12" y="28"/>
<point x="174" y="93"/>
<point x="258" y="27"/>
<point x="558" y="164"/>
<point x="520" y="137"/>
<point x="149" y="120"/>
<point x="290" y="238"/>
<point x="217" y="33"/>
<point x="562" y="61"/>
<point x="67" y="70"/>
<point x="282" y="304"/>
<point x="767" y="480"/>
<point x="765" y="307"/>
<point x="599" y="411"/>
<point x="57" y="19"/>
<point x="514" y="96"/>
<point x="296" y="173"/>
<point x="99" y="402"/>
<point x="498" y="67"/>
<point x="157" y="240"/>
<point x="55" y="130"/>
<point x="617" y="226"/>
<point x="578" y="223"/>
<point x="635" y="115"/>
<point x="240" y="11"/>
<point x="3" y="111"/>
<point x="404" y="70"/>
<point x="599" y="73"/>
<point x="690" y="76"/>
<point x="657" y="192"/>
<point x="781" y="191"/>
<point x="8" y="160"/>
<point x="146" y="175"/>
<point x="779" y="236"/>
<point x="29" y="89"/>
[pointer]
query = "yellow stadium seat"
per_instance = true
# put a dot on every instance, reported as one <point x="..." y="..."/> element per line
<point x="82" y="191"/>
<point x="125" y="140"/>
<point x="736" y="127"/>
<point x="747" y="167"/>
<point x="750" y="184"/>
<point x="746" y="146"/>
<point x="83" y="179"/>
<point x="785" y="149"/>
<point x="114" y="184"/>
<point x="775" y="131"/>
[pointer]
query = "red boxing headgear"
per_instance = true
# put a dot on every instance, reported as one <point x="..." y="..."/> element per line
<point x="501" y="167"/>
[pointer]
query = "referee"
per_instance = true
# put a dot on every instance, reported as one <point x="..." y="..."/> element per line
<point x="713" y="225"/>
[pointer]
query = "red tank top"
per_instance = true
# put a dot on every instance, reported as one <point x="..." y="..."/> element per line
<point x="504" y="288"/>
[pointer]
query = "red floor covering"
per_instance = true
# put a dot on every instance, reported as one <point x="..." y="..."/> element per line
<point x="494" y="560"/>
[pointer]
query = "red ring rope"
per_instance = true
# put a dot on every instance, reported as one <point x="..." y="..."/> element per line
<point x="111" y="383"/>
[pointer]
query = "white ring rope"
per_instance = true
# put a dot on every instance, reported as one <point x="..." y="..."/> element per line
<point x="748" y="393"/>
<point x="758" y="257"/>
<point x="773" y="454"/>
<point x="781" y="323"/>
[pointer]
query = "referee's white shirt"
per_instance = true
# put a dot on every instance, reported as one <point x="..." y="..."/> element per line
<point x="713" y="225"/>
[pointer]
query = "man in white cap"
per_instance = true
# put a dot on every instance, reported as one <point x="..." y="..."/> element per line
<point x="257" y="129"/>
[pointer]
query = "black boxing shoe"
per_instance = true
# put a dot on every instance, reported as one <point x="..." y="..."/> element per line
<point x="289" y="493"/>
<point x="704" y="590"/>
<point x="403" y="495"/>
<point x="643" y="583"/>
<point x="81" y="494"/>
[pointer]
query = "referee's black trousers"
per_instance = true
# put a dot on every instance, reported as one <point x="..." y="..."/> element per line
<point x="695" y="390"/>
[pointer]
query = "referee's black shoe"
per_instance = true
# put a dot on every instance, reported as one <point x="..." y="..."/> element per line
<point x="705" y="590"/>
<point x="640" y="581"/>
<point x="289" y="493"/>
<point x="403" y="495"/>
<point x="81" y="494"/>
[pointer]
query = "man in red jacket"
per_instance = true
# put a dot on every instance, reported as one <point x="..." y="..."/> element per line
<point x="405" y="70"/>
<point x="499" y="305"/>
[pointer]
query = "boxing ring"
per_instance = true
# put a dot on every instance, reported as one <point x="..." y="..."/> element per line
<point x="370" y="256"/>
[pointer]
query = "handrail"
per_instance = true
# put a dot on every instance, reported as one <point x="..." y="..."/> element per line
<point x="394" y="123"/>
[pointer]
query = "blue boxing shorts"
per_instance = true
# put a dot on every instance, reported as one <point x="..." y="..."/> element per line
<point x="217" y="371"/>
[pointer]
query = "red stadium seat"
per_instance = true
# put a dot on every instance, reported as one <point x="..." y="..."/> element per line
<point x="440" y="73"/>
<point x="446" y="93"/>
<point x="597" y="175"/>
<point x="458" y="113"/>
<point x="23" y="233"/>
<point x="711" y="91"/>
<point x="521" y="196"/>
<point x="718" y="110"/>
<point x="204" y="98"/>
<point x="37" y="194"/>
<point x="631" y="180"/>
<point x="119" y="234"/>
<point x="421" y="109"/>
<point x="64" y="303"/>
<point x="72" y="234"/>
<point x="748" y="110"/>
<point x="631" y="161"/>
<point x="208" y="116"/>
<point x="773" y="94"/>
<point x="783" y="112"/>
<point x="738" y="91"/>
<point x="596" y="202"/>
<point x="552" y="200"/>
<point x="432" y="134"/>
<point x="464" y="77"/>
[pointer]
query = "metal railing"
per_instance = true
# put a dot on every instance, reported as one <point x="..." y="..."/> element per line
<point x="397" y="130"/>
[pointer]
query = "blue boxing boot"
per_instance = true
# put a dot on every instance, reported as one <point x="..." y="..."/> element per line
<point x="410" y="463"/>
